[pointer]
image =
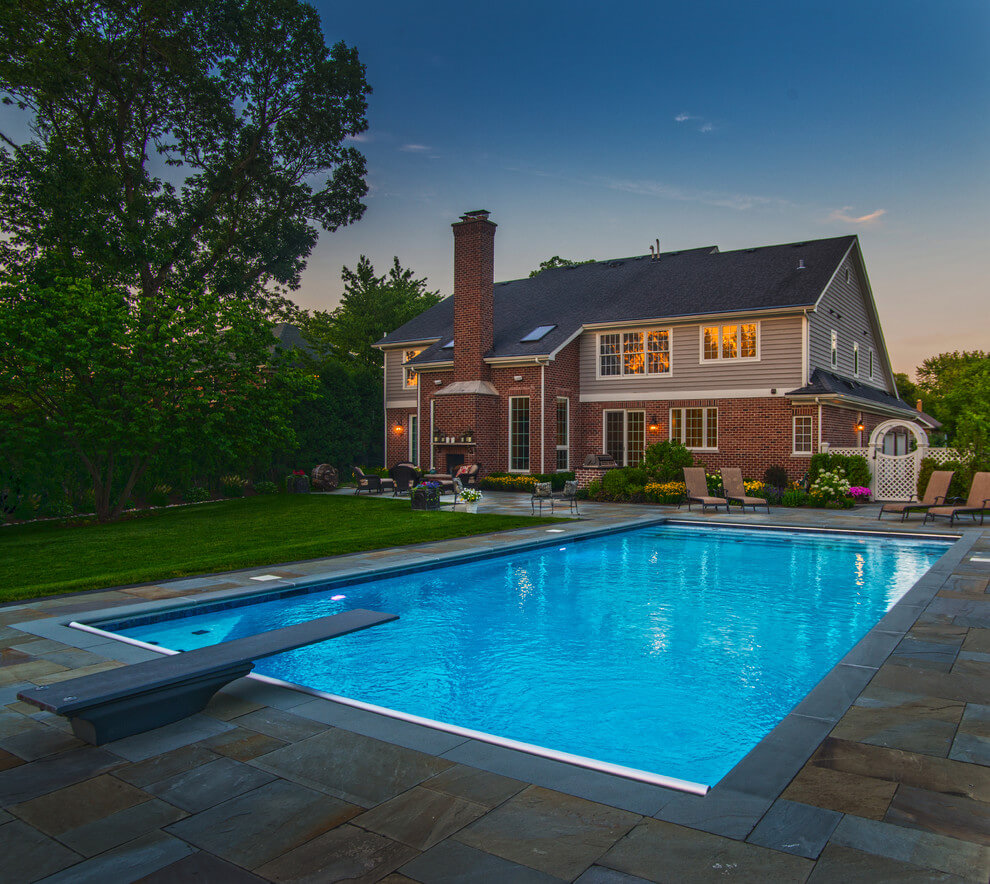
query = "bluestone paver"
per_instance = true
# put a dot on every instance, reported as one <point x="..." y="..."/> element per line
<point x="454" y="863"/>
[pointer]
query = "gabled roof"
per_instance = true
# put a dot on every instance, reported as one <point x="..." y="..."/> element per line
<point x="289" y="337"/>
<point x="825" y="384"/>
<point x="696" y="282"/>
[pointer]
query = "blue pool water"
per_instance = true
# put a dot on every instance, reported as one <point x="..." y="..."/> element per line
<point x="669" y="649"/>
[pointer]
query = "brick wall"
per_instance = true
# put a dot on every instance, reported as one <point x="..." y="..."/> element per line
<point x="474" y="279"/>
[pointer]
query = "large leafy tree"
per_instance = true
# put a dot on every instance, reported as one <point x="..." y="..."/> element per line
<point x="117" y="381"/>
<point x="956" y="389"/>
<point x="176" y="144"/>
<point x="370" y="307"/>
<point x="556" y="262"/>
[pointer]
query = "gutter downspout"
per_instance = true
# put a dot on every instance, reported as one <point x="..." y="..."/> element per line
<point x="419" y="425"/>
<point x="385" y="407"/>
<point x="543" y="411"/>
<point x="819" y="403"/>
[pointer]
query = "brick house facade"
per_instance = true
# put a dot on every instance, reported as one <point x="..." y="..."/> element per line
<point x="752" y="358"/>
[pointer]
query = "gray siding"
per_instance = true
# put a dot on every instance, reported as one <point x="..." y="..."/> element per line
<point x="843" y="307"/>
<point x="779" y="365"/>
<point x="396" y="395"/>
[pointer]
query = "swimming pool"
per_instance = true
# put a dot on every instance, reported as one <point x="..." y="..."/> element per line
<point x="671" y="649"/>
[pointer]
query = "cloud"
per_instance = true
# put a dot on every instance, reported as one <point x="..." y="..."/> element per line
<point x="706" y="125"/>
<point x="722" y="200"/>
<point x="415" y="148"/>
<point x="361" y="137"/>
<point x="843" y="215"/>
<point x="683" y="118"/>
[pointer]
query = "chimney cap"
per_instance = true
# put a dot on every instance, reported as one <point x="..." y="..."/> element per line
<point x="476" y="215"/>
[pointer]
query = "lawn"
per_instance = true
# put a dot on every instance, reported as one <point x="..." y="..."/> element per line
<point x="49" y="558"/>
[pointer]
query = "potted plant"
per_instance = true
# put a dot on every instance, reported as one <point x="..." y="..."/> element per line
<point x="426" y="496"/>
<point x="470" y="498"/>
<point x="297" y="483"/>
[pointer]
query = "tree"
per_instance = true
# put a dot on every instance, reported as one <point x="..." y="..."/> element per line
<point x="555" y="262"/>
<point x="957" y="387"/>
<point x="906" y="388"/>
<point x="370" y="308"/>
<point x="118" y="380"/>
<point x="176" y="144"/>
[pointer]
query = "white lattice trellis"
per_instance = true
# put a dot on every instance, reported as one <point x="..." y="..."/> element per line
<point x="942" y="455"/>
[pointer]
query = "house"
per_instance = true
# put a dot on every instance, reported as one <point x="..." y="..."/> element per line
<point x="751" y="358"/>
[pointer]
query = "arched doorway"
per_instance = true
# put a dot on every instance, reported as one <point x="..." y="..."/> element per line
<point x="895" y="464"/>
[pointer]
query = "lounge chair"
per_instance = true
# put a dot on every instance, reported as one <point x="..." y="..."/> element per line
<point x="735" y="490"/>
<point x="403" y="476"/>
<point x="935" y="494"/>
<point x="542" y="494"/>
<point x="569" y="494"/>
<point x="697" y="490"/>
<point x="370" y="483"/>
<point x="978" y="500"/>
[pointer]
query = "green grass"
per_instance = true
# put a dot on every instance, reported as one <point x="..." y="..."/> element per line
<point x="50" y="558"/>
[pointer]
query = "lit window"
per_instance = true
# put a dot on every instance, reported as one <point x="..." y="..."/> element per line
<point x="835" y="348"/>
<point x="802" y="434"/>
<point x="409" y="376"/>
<point x="695" y="427"/>
<point x="519" y="434"/>
<point x="634" y="353"/>
<point x="563" y="434"/>
<point x="730" y="341"/>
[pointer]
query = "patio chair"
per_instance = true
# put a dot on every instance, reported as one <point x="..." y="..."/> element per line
<point x="367" y="483"/>
<point x="542" y="494"/>
<point x="735" y="490"/>
<point x="570" y="495"/>
<point x="403" y="476"/>
<point x="697" y="490"/>
<point x="935" y="494"/>
<point x="468" y="474"/>
<point x="978" y="500"/>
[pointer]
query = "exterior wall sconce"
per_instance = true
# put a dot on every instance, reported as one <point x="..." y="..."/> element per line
<point x="654" y="426"/>
<point x="399" y="429"/>
<point x="859" y="427"/>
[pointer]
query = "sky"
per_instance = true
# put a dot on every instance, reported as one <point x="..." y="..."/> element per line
<point x="590" y="129"/>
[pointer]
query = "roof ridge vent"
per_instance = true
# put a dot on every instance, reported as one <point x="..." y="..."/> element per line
<point x="801" y="264"/>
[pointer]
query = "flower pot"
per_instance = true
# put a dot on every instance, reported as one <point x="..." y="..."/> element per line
<point x="426" y="500"/>
<point x="297" y="484"/>
<point x="470" y="506"/>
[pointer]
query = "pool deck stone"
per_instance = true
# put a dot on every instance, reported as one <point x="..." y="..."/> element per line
<point x="880" y="774"/>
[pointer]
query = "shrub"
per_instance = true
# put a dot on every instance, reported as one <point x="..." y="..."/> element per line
<point x="195" y="495"/>
<point x="615" y="485"/>
<point x="265" y="488"/>
<point x="831" y="486"/>
<point x="855" y="467"/>
<point x="775" y="477"/>
<point x="794" y="497"/>
<point x="507" y="483"/>
<point x="665" y="462"/>
<point x="232" y="485"/>
<point x="158" y="496"/>
<point x="594" y="489"/>
<point x="27" y="507"/>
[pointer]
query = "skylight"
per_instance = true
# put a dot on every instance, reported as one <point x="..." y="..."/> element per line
<point x="540" y="331"/>
<point x="449" y="345"/>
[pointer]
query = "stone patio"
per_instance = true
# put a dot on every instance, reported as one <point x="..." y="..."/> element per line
<point x="881" y="774"/>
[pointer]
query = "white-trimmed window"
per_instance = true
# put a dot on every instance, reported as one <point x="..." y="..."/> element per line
<point x="624" y="435"/>
<point x="645" y="352"/>
<point x="802" y="434"/>
<point x="409" y="377"/>
<point x="835" y="348"/>
<point x="563" y="433"/>
<point x="519" y="434"/>
<point x="414" y="438"/>
<point x="871" y="365"/>
<point x="695" y="428"/>
<point x="856" y="358"/>
<point x="730" y="341"/>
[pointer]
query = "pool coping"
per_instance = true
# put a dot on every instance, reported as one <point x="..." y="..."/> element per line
<point x="732" y="807"/>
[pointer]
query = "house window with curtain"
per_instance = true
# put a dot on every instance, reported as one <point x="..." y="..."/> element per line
<point x="645" y="352"/>
<point x="519" y="434"/>
<point x="695" y="428"/>
<point x="730" y="341"/>
<point x="563" y="433"/>
<point x="409" y="376"/>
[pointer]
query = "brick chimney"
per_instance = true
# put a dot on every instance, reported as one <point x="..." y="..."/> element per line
<point x="474" y="280"/>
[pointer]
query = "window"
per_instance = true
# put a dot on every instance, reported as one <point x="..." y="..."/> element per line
<point x="855" y="358"/>
<point x="519" y="434"/>
<point x="871" y="363"/>
<point x="409" y="376"/>
<point x="540" y="331"/>
<point x="835" y="348"/>
<point x="563" y="433"/>
<point x="625" y="436"/>
<point x="730" y="341"/>
<point x="634" y="353"/>
<point x="802" y="434"/>
<point x="847" y="274"/>
<point x="413" y="438"/>
<point x="695" y="427"/>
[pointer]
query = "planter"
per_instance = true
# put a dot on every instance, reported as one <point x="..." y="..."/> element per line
<point x="426" y="500"/>
<point x="297" y="484"/>
<point x="470" y="506"/>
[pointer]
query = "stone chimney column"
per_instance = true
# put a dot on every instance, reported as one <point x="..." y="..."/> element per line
<point x="474" y="281"/>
